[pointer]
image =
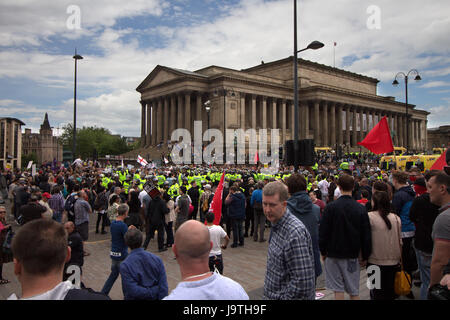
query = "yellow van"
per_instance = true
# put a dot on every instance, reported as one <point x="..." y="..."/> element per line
<point x="438" y="150"/>
<point x="423" y="162"/>
<point x="323" y="149"/>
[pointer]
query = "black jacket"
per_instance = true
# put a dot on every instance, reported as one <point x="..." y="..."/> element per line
<point x="76" y="246"/>
<point x="156" y="211"/>
<point x="423" y="213"/>
<point x="345" y="230"/>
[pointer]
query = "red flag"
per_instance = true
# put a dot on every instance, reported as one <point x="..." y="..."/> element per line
<point x="440" y="163"/>
<point x="216" y="204"/>
<point x="256" y="159"/>
<point x="379" y="140"/>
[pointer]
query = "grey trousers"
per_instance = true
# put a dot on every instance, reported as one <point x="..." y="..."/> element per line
<point x="260" y="224"/>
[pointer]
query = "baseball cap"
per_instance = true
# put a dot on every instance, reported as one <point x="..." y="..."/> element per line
<point x="47" y="195"/>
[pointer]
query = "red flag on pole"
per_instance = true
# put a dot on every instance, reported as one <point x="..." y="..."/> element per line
<point x="440" y="163"/>
<point x="256" y="159"/>
<point x="216" y="204"/>
<point x="378" y="140"/>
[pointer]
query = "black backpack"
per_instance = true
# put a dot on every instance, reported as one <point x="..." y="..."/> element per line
<point x="69" y="205"/>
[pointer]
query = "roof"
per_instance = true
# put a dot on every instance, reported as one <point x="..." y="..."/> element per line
<point x="13" y="119"/>
<point x="311" y="63"/>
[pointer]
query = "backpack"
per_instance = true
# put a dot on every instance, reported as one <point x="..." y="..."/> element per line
<point x="205" y="204"/>
<point x="69" y="205"/>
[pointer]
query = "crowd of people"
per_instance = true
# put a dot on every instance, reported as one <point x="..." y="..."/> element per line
<point x="329" y="219"/>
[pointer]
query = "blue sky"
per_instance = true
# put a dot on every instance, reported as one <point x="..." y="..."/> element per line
<point x="122" y="42"/>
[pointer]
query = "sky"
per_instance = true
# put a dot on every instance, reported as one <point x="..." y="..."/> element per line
<point x="122" y="41"/>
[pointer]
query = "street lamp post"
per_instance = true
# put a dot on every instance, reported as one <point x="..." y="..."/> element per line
<point x="74" y="145"/>
<point x="395" y="83"/>
<point x="314" y="46"/>
<point x="208" y="109"/>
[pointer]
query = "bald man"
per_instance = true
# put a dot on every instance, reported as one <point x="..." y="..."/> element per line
<point x="191" y="249"/>
<point x="76" y="245"/>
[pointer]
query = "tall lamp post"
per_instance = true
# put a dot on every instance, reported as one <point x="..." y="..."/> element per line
<point x="74" y="145"/>
<point x="207" y="105"/>
<point x="314" y="46"/>
<point x="395" y="83"/>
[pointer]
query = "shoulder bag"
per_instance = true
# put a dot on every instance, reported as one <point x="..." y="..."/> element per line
<point x="402" y="282"/>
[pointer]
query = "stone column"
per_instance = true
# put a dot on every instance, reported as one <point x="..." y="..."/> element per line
<point x="400" y="130"/>
<point x="180" y="111"/>
<point x="274" y="113"/>
<point x="347" y="124"/>
<point x="159" y="123"/>
<point x="361" y="124"/>
<point x="283" y="121"/>
<point x="302" y="120"/>
<point x="148" y="128"/>
<point x="173" y="114"/>
<point x="292" y="107"/>
<point x="198" y="111"/>
<point x="317" y="139"/>
<point x="307" y="120"/>
<point x="325" y="142"/>
<point x="333" y="124"/>
<point x="143" y="122"/>
<point x="354" y="128"/>
<point x="340" y="136"/>
<point x="264" y="112"/>
<point x="153" y="102"/>
<point x="395" y="127"/>
<point x="367" y="121"/>
<point x="187" y="113"/>
<point x="242" y="122"/>
<point x="166" y="111"/>
<point x="253" y="98"/>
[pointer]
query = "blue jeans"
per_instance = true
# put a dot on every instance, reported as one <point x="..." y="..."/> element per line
<point x="115" y="271"/>
<point x="57" y="216"/>
<point x="424" y="263"/>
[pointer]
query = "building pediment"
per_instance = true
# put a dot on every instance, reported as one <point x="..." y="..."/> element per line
<point x="162" y="74"/>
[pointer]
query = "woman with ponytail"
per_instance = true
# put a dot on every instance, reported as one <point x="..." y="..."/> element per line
<point x="386" y="242"/>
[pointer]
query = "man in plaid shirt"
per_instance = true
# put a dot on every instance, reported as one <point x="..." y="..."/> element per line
<point x="290" y="262"/>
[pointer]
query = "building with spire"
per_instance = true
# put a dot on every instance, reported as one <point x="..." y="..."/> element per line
<point x="44" y="144"/>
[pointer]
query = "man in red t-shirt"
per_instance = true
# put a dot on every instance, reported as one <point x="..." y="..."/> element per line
<point x="317" y="201"/>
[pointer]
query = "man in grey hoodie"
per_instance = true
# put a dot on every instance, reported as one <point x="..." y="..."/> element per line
<point x="301" y="206"/>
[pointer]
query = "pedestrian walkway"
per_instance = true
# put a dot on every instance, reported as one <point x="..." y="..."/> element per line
<point x="246" y="265"/>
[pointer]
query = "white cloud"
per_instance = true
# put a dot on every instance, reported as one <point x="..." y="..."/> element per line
<point x="411" y="37"/>
<point x="433" y="84"/>
<point x="31" y="22"/>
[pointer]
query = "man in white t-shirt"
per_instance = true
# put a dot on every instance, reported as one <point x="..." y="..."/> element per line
<point x="337" y="193"/>
<point x="216" y="234"/>
<point x="191" y="248"/>
<point x="323" y="186"/>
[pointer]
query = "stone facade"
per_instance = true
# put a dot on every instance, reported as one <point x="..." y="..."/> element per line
<point x="439" y="137"/>
<point x="43" y="144"/>
<point x="10" y="143"/>
<point x="336" y="107"/>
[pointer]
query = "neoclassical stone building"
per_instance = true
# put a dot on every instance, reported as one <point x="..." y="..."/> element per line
<point x="336" y="107"/>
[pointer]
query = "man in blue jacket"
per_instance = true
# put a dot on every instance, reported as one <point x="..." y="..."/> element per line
<point x="236" y="212"/>
<point x="401" y="203"/>
<point x="143" y="273"/>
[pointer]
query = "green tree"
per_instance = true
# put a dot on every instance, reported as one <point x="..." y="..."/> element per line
<point x="94" y="139"/>
<point x="29" y="157"/>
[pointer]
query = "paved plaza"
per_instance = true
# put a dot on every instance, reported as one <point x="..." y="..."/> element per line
<point x="246" y="265"/>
